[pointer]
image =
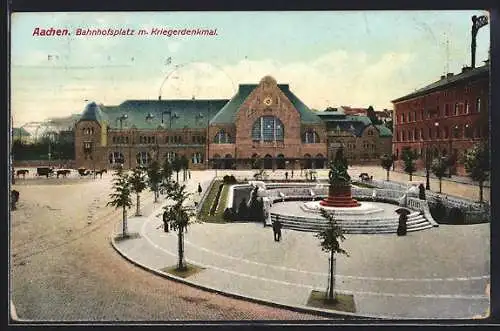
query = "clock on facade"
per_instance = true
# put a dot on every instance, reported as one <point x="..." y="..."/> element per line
<point x="268" y="101"/>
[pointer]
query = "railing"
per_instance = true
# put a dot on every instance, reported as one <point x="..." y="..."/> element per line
<point x="205" y="195"/>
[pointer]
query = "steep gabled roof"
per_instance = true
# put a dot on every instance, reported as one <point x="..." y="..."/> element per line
<point x="383" y="131"/>
<point x="147" y="114"/>
<point x="228" y="113"/>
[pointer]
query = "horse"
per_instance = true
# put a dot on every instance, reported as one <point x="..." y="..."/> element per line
<point x="22" y="172"/>
<point x="44" y="171"/>
<point x="63" y="172"/>
<point x="84" y="172"/>
<point x="100" y="172"/>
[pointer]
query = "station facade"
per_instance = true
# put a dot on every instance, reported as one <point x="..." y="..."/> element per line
<point x="262" y="125"/>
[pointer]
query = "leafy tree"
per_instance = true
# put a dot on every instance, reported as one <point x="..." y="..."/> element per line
<point x="386" y="162"/>
<point x="184" y="165"/>
<point x="370" y="112"/>
<point x="120" y="198"/>
<point x="178" y="216"/>
<point x="167" y="170"/>
<point x="438" y="168"/>
<point x="331" y="237"/>
<point x="451" y="160"/>
<point x="477" y="165"/>
<point x="155" y="178"/>
<point x="409" y="161"/>
<point x="177" y="166"/>
<point x="138" y="184"/>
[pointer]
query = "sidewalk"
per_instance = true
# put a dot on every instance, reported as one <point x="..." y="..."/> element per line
<point x="455" y="179"/>
<point x="241" y="260"/>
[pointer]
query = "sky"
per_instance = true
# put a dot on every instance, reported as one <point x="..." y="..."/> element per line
<point x="329" y="58"/>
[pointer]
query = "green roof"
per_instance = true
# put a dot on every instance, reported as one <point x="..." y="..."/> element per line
<point x="147" y="114"/>
<point x="16" y="132"/>
<point x="444" y="82"/>
<point x="93" y="112"/>
<point x="383" y="131"/>
<point x="228" y="113"/>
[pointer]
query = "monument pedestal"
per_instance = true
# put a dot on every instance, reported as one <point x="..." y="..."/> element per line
<point x="340" y="196"/>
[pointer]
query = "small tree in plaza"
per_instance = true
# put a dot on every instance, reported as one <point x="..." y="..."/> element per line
<point x="477" y="165"/>
<point x="386" y="162"/>
<point x="438" y="168"/>
<point x="120" y="198"/>
<point x="177" y="166"/>
<point x="178" y="216"/>
<point x="185" y="166"/>
<point x="138" y="183"/>
<point x="331" y="237"/>
<point x="409" y="158"/>
<point x="155" y="178"/>
<point x="167" y="170"/>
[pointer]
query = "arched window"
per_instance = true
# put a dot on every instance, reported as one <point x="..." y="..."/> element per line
<point x="116" y="158"/>
<point x="143" y="158"/>
<point x="222" y="137"/>
<point x="467" y="131"/>
<point x="456" y="109"/>
<point x="268" y="128"/>
<point x="280" y="161"/>
<point x="466" y="107"/>
<point x="456" y="131"/>
<point x="446" y="132"/>
<point x="197" y="158"/>
<point x="478" y="105"/>
<point x="310" y="137"/>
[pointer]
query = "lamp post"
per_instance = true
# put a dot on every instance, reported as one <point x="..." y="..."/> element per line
<point x="477" y="23"/>
<point x="122" y="118"/>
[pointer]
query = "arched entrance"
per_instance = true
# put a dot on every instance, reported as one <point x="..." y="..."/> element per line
<point x="280" y="161"/>
<point x="307" y="161"/>
<point x="320" y="161"/>
<point x="228" y="161"/>
<point x="268" y="162"/>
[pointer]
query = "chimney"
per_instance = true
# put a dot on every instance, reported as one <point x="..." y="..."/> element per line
<point x="450" y="74"/>
<point x="443" y="76"/>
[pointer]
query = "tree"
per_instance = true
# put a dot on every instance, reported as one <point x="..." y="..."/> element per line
<point x="178" y="216"/>
<point x="184" y="165"/>
<point x="386" y="162"/>
<point x="331" y="237"/>
<point x="451" y="160"/>
<point x="138" y="184"/>
<point x="438" y="168"/>
<point x="370" y="112"/>
<point x="477" y="165"/>
<point x="409" y="161"/>
<point x="155" y="178"/>
<point x="120" y="198"/>
<point x="177" y="166"/>
<point x="166" y="170"/>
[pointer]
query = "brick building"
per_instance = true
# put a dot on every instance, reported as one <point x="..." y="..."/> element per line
<point x="447" y="116"/>
<point x="265" y="121"/>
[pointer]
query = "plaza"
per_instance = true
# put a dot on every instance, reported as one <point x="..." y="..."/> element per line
<point x="426" y="274"/>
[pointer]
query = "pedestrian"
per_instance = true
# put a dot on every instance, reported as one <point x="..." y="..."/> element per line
<point x="278" y="229"/>
<point x="292" y="172"/>
<point x="165" y="221"/>
<point x="199" y="189"/>
<point x="189" y="173"/>
<point x="275" y="231"/>
<point x="286" y="175"/>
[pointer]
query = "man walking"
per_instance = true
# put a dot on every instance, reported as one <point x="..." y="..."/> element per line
<point x="199" y="189"/>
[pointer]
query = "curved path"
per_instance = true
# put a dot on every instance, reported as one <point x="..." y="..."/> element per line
<point x="63" y="267"/>
<point x="430" y="274"/>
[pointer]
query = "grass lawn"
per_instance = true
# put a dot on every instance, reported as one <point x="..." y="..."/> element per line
<point x="209" y="201"/>
<point x="190" y="270"/>
<point x="120" y="237"/>
<point x="344" y="302"/>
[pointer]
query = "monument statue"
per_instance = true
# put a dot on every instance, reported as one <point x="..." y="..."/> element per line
<point x="339" y="192"/>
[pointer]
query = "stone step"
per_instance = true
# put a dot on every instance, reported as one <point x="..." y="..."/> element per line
<point x="349" y="221"/>
<point x="354" y="226"/>
<point x="389" y="229"/>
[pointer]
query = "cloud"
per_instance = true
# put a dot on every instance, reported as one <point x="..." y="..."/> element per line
<point x="332" y="79"/>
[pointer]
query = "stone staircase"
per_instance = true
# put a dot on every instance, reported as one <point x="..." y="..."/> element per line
<point x="416" y="222"/>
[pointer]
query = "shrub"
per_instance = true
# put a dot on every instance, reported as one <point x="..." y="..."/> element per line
<point x="438" y="210"/>
<point x="228" y="214"/>
<point x="456" y="216"/>
<point x="216" y="200"/>
<point x="229" y="179"/>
